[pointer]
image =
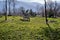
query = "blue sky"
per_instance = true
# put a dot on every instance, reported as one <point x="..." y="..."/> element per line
<point x="38" y="1"/>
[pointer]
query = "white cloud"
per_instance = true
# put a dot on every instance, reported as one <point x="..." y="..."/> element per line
<point x="38" y="1"/>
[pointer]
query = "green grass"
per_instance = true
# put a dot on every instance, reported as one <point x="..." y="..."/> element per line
<point x="36" y="29"/>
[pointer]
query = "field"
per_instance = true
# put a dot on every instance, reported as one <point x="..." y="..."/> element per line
<point x="36" y="29"/>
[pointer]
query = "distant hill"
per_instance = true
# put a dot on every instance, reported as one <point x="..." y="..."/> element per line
<point x="26" y="5"/>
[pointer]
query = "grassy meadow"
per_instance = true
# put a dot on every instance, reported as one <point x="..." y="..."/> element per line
<point x="36" y="29"/>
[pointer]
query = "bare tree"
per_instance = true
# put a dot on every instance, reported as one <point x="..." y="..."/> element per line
<point x="55" y="9"/>
<point x="42" y="11"/>
<point x="22" y="10"/>
<point x="13" y="6"/>
<point x="58" y="10"/>
<point x="45" y="12"/>
<point x="38" y="9"/>
<point x="9" y="2"/>
<point x="6" y="10"/>
<point x="51" y="6"/>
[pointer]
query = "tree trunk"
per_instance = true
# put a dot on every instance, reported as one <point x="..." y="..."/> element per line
<point x="9" y="9"/>
<point x="46" y="13"/>
<point x="55" y="9"/>
<point x="6" y="10"/>
<point x="14" y="6"/>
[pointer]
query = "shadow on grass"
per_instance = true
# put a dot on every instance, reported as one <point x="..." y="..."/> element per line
<point x="25" y="20"/>
<point x="49" y="26"/>
<point x="3" y="21"/>
<point x="52" y="34"/>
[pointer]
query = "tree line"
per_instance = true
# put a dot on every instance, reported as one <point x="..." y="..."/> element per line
<point x="50" y="9"/>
